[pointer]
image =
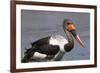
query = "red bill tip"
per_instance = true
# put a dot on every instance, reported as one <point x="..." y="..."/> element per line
<point x="80" y="41"/>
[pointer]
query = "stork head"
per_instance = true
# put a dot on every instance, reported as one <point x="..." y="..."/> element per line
<point x="70" y="27"/>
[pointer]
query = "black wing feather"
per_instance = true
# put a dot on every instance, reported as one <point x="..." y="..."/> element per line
<point x="43" y="46"/>
<point x="48" y="49"/>
<point x="40" y="42"/>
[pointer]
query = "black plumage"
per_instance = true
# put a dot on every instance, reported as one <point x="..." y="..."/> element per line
<point x="41" y="46"/>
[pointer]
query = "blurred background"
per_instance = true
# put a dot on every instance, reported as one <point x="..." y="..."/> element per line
<point x="38" y="24"/>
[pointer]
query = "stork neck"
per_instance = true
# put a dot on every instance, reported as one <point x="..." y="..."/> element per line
<point x="69" y="37"/>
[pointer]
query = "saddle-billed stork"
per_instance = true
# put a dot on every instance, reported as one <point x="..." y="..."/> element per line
<point x="53" y="48"/>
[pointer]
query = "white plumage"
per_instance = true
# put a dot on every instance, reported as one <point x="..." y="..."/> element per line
<point x="58" y="40"/>
<point x="39" y="55"/>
